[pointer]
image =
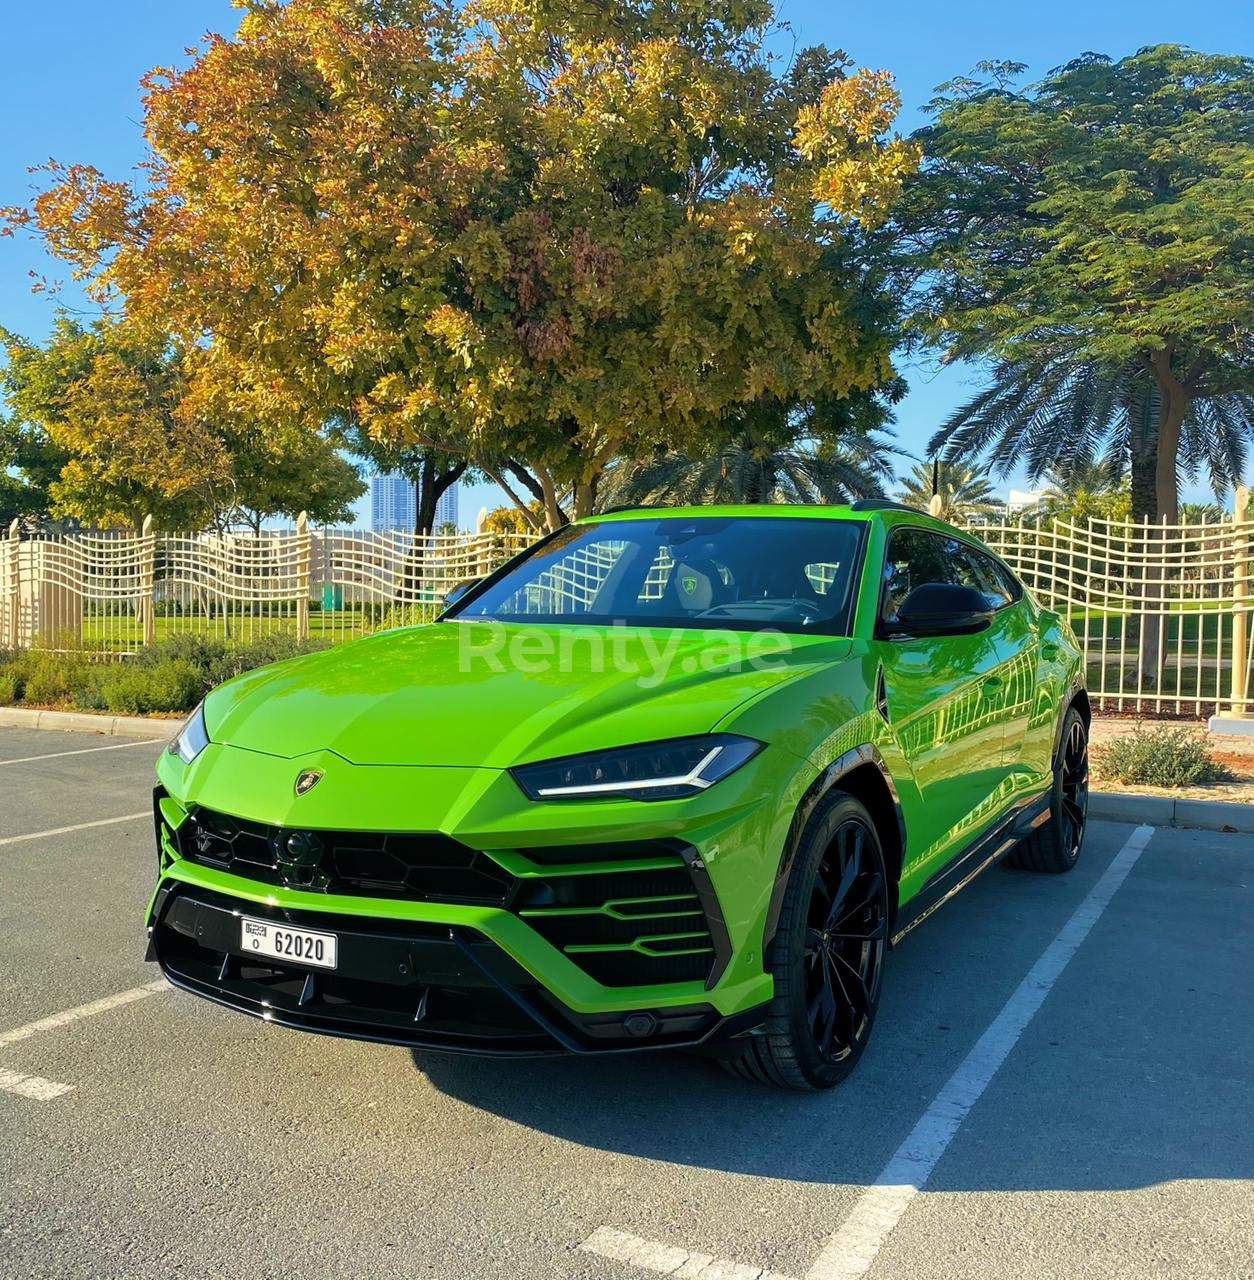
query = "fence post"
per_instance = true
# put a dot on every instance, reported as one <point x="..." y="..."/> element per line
<point x="13" y="605"/>
<point x="1240" y="606"/>
<point x="147" y="609"/>
<point x="302" y="576"/>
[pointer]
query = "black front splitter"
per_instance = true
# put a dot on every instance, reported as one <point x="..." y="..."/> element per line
<point x="449" y="989"/>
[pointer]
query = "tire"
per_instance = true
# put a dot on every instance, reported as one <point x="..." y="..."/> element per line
<point x="827" y="984"/>
<point x="1055" y="846"/>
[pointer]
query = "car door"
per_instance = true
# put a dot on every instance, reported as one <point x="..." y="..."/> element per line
<point x="1029" y="704"/>
<point x="943" y="701"/>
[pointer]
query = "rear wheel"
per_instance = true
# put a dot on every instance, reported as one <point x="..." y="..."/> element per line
<point x="827" y="955"/>
<point x="1056" y="845"/>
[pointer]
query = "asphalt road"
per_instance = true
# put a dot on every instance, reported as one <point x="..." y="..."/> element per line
<point x="163" y="1136"/>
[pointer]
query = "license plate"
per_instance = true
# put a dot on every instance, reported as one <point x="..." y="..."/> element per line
<point x="282" y="942"/>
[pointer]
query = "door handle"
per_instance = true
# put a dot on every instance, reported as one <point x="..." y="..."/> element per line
<point x="1049" y="650"/>
<point x="992" y="686"/>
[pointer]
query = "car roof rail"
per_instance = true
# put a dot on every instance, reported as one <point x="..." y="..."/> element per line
<point x="882" y="504"/>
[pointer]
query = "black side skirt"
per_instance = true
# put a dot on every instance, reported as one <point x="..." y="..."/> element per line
<point x="987" y="849"/>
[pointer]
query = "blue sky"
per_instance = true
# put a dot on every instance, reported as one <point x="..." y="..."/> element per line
<point x="70" y="69"/>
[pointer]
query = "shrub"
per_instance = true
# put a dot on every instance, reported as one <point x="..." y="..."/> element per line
<point x="276" y="647"/>
<point x="1159" y="757"/>
<point x="172" y="675"/>
<point x="172" y="685"/>
<point x="49" y="677"/>
<point x="200" y="651"/>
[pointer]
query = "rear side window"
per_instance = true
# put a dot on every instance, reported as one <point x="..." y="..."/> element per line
<point x="916" y="556"/>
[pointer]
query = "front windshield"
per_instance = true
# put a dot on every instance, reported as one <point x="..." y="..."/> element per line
<point x="728" y="572"/>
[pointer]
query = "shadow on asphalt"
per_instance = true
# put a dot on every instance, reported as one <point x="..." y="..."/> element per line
<point x="1135" y="1072"/>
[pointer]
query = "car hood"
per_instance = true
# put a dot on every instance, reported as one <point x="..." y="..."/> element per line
<point x="413" y="697"/>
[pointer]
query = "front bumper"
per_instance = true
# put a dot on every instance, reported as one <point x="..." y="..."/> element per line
<point x="428" y="986"/>
<point x="524" y="927"/>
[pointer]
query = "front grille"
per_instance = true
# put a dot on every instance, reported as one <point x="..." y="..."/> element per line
<point x="655" y="922"/>
<point x="373" y="864"/>
<point x="623" y="928"/>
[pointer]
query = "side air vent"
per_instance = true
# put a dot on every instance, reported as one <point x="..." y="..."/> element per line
<point x="881" y="695"/>
<point x="623" y="928"/>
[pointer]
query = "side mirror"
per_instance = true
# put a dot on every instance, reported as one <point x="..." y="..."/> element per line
<point x="942" y="609"/>
<point x="459" y="589"/>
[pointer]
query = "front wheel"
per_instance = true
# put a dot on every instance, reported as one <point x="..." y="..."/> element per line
<point x="1055" y="846"/>
<point x="827" y="955"/>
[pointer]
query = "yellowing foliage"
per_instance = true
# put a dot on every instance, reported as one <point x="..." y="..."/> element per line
<point x="517" y="230"/>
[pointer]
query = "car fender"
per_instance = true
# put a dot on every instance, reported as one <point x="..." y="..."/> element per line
<point x="827" y="780"/>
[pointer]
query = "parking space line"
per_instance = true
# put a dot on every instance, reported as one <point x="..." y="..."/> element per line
<point x="849" y="1254"/>
<point x="666" y="1260"/>
<point x="82" y="751"/>
<point x="31" y="1086"/>
<point x="81" y="1011"/>
<point x="78" y="826"/>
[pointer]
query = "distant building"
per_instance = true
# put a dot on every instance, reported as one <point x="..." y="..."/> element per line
<point x="1025" y="499"/>
<point x="446" y="508"/>
<point x="393" y="503"/>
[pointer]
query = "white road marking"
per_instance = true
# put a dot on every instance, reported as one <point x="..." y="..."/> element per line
<point x="31" y="1086"/>
<point x="55" y="1020"/>
<point x="667" y="1260"/>
<point x="848" y="1255"/>
<point x="78" y="826"/>
<point x="82" y="751"/>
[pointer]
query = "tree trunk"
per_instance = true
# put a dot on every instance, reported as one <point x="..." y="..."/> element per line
<point x="1144" y="462"/>
<point x="585" y="498"/>
<point x="554" y="516"/>
<point x="1173" y="404"/>
<point x="431" y="485"/>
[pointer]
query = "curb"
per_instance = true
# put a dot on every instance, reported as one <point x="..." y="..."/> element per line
<point x="1167" y="811"/>
<point x="87" y="722"/>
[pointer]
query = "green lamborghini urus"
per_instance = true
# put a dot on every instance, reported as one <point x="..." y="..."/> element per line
<point x="669" y="778"/>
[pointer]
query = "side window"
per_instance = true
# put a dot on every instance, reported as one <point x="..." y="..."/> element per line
<point x="987" y="577"/>
<point x="915" y="556"/>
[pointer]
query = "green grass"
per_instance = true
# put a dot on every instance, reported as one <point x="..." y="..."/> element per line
<point x="331" y="625"/>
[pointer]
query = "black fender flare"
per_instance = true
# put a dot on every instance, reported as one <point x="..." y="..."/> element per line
<point x="827" y="780"/>
<point x="1075" y="690"/>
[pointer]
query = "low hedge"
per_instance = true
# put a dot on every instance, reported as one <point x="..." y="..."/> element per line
<point x="1159" y="757"/>
<point x="170" y="676"/>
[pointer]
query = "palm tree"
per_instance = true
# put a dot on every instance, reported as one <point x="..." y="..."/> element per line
<point x="1060" y="411"/>
<point x="964" y="493"/>
<point x="752" y="469"/>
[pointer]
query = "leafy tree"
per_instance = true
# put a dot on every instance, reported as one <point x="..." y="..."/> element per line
<point x="29" y="462"/>
<point x="963" y="493"/>
<point x="112" y="402"/>
<point x="534" y="233"/>
<point x="306" y="474"/>
<point x="108" y="431"/>
<point x="1101" y="217"/>
<point x="510" y="520"/>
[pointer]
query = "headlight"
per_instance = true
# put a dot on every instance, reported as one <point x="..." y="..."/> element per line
<point x="650" y="771"/>
<point x="192" y="738"/>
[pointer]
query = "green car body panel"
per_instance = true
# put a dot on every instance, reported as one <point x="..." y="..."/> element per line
<point x="405" y="739"/>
